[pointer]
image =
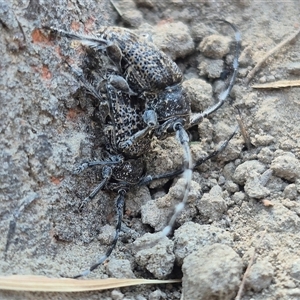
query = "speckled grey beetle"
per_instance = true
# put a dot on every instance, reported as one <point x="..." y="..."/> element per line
<point x="150" y="74"/>
<point x="144" y="98"/>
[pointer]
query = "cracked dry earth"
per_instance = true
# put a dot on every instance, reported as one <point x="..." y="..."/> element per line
<point x="243" y="199"/>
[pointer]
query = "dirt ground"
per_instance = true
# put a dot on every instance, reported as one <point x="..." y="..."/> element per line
<point x="244" y="199"/>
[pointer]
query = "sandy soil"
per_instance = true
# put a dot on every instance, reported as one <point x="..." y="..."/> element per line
<point x="245" y="198"/>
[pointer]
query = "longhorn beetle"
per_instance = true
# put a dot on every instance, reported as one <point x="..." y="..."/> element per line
<point x="144" y="92"/>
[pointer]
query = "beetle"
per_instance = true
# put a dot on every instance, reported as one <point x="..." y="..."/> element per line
<point x="152" y="75"/>
<point x="143" y="91"/>
<point x="143" y="65"/>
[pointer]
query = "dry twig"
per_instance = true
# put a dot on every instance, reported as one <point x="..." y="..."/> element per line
<point x="268" y="54"/>
<point x="243" y="130"/>
<point x="242" y="285"/>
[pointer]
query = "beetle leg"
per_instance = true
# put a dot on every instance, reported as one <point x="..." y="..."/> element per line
<point x="79" y="76"/>
<point x="106" y="173"/>
<point x="119" y="207"/>
<point x="112" y="160"/>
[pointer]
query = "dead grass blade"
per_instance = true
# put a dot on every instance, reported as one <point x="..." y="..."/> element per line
<point x="46" y="284"/>
<point x="277" y="84"/>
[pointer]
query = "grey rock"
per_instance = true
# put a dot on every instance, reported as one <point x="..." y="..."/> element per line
<point x="212" y="272"/>
<point x="254" y="187"/>
<point x="191" y="237"/>
<point x="120" y="268"/>
<point x="174" y="39"/>
<point x="295" y="269"/>
<point x="155" y="253"/>
<point x="260" y="276"/>
<point x="243" y="171"/>
<point x="286" y="166"/>
<point x="290" y="191"/>
<point x="215" y="46"/>
<point x="212" y="205"/>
